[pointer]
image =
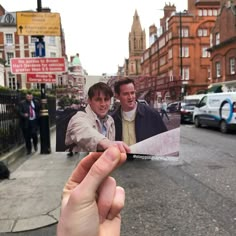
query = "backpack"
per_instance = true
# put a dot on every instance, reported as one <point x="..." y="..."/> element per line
<point x="4" y="171"/>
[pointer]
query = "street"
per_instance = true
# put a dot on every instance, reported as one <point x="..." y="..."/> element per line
<point x="193" y="196"/>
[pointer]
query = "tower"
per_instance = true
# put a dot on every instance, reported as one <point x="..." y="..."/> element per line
<point x="137" y="45"/>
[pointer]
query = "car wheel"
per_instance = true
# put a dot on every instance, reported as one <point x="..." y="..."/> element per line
<point x="223" y="127"/>
<point x="197" y="122"/>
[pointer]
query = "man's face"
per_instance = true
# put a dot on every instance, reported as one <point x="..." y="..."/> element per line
<point x="100" y="104"/>
<point x="127" y="97"/>
<point x="29" y="97"/>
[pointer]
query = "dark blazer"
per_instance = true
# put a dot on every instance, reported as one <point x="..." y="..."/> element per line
<point x="24" y="107"/>
<point x="148" y="122"/>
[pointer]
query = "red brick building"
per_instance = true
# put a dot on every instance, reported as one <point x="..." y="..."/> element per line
<point x="177" y="62"/>
<point x="223" y="48"/>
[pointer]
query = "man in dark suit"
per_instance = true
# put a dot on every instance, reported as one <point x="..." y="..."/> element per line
<point x="29" y="121"/>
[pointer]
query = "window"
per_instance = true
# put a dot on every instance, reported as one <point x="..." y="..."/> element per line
<point x="232" y="66"/>
<point x="217" y="38"/>
<point x="215" y="13"/>
<point x="209" y="12"/>
<point x="209" y="73"/>
<point x="218" y="69"/>
<point x="162" y="61"/>
<point x="205" y="53"/>
<point x="202" y="32"/>
<point x="9" y="38"/>
<point x="185" y="52"/>
<point x="12" y="83"/>
<point x="53" y="54"/>
<point x="170" y="73"/>
<point x="203" y="102"/>
<point x="200" y="12"/>
<point x="9" y="56"/>
<point x="185" y="32"/>
<point x="33" y="39"/>
<point x="185" y="73"/>
<point x="204" y="12"/>
<point x="52" y="40"/>
<point x="170" y="53"/>
<point x="32" y="54"/>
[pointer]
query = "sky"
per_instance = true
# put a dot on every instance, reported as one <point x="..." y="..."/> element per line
<point x="99" y="30"/>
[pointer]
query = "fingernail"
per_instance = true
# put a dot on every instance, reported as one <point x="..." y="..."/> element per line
<point x="112" y="154"/>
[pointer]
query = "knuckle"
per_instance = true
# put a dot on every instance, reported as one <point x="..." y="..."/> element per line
<point x="97" y="169"/>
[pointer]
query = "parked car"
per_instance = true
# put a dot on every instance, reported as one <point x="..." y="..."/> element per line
<point x="174" y="106"/>
<point x="187" y="107"/>
<point x="186" y="113"/>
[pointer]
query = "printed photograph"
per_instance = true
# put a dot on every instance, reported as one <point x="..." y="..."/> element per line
<point x="95" y="112"/>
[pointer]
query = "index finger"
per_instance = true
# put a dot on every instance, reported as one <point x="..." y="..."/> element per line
<point x="84" y="166"/>
<point x="101" y="169"/>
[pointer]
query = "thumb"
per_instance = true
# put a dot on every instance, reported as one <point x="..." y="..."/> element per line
<point x="100" y="170"/>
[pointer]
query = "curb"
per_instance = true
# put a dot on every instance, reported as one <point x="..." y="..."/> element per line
<point x="18" y="152"/>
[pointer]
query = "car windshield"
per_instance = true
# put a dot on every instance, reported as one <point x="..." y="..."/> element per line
<point x="189" y="106"/>
<point x="191" y="102"/>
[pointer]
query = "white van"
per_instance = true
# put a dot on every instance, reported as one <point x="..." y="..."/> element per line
<point x="216" y="110"/>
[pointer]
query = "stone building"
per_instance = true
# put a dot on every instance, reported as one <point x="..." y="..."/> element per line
<point x="137" y="44"/>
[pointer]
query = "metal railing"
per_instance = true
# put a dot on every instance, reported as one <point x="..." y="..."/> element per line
<point x="10" y="131"/>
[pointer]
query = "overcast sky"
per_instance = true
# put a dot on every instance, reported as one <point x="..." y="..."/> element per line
<point x="99" y="30"/>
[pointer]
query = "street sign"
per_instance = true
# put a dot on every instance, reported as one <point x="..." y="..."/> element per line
<point x="37" y="65"/>
<point x="40" y="49"/>
<point x="38" y="23"/>
<point x="41" y="78"/>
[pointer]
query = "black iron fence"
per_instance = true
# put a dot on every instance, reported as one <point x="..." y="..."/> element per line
<point x="10" y="132"/>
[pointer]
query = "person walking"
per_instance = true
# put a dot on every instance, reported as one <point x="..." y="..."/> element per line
<point x="164" y="110"/>
<point x="134" y="121"/>
<point x="29" y="110"/>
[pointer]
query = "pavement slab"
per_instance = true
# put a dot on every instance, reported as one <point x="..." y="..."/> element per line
<point x="31" y="198"/>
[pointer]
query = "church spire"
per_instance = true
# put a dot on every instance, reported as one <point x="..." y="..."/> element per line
<point x="136" y="26"/>
<point x="137" y="45"/>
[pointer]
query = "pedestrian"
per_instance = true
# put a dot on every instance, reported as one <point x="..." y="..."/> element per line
<point x="134" y="121"/>
<point x="164" y="109"/>
<point x="91" y="200"/>
<point x="93" y="129"/>
<point x="29" y="110"/>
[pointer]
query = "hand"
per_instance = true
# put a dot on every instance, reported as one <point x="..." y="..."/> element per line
<point x="106" y="143"/>
<point x="92" y="202"/>
<point x="26" y="114"/>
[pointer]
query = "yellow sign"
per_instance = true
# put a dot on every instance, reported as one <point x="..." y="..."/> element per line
<point x="38" y="23"/>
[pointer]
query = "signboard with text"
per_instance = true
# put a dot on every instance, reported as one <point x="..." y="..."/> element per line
<point x="41" y="78"/>
<point x="38" y="23"/>
<point x="37" y="65"/>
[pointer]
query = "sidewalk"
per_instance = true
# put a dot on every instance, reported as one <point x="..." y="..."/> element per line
<point x="31" y="198"/>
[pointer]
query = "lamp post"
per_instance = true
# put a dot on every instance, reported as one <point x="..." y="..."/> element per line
<point x="44" y="118"/>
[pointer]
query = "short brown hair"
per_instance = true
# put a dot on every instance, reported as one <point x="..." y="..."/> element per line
<point x="120" y="82"/>
<point x="98" y="88"/>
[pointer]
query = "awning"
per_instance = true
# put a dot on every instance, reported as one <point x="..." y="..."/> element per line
<point x="142" y="95"/>
<point x="215" y="89"/>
